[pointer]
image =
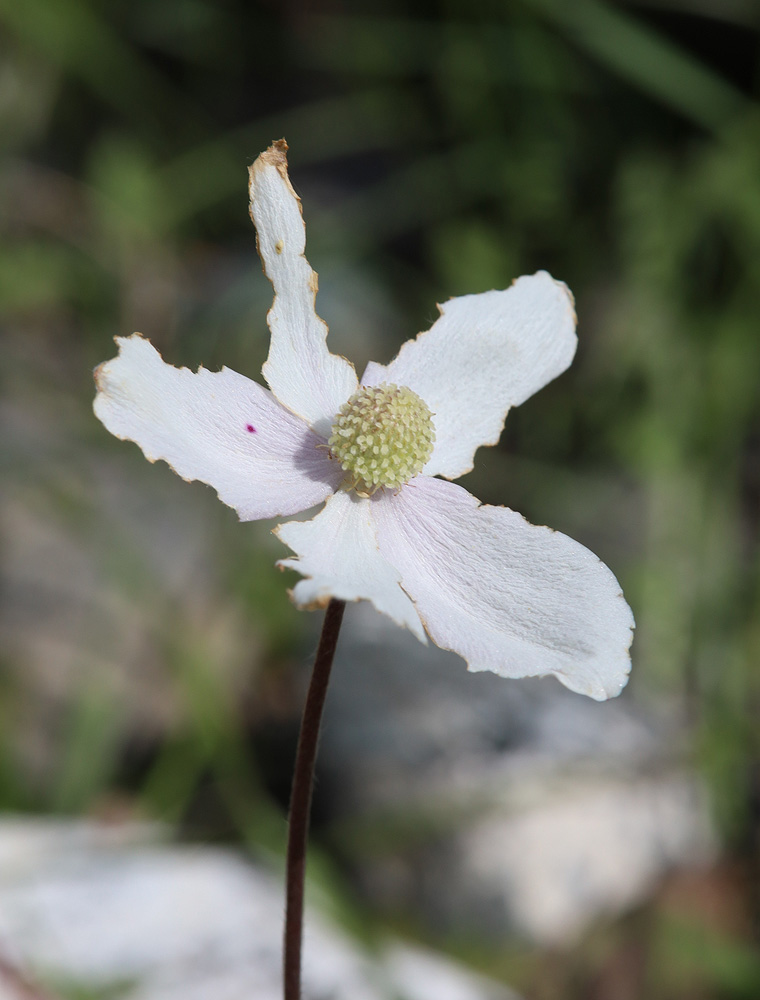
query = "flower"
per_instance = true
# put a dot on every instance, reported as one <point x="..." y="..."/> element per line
<point x="507" y="596"/>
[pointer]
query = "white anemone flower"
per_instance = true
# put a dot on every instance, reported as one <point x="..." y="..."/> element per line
<point x="507" y="596"/>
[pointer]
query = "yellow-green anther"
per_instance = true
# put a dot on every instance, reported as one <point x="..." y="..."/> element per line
<point x="383" y="436"/>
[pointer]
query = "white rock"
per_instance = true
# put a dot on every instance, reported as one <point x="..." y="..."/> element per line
<point x="78" y="902"/>
<point x="544" y="810"/>
<point x="592" y="850"/>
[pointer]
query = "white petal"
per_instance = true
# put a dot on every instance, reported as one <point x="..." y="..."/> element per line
<point x="337" y="553"/>
<point x="218" y="427"/>
<point x="509" y="597"/>
<point x="301" y="372"/>
<point x="485" y="354"/>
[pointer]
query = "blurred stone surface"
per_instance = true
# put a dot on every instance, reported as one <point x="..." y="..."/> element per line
<point x="106" y="582"/>
<point x="97" y="907"/>
<point x="499" y="806"/>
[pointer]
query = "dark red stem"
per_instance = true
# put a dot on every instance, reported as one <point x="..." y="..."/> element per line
<point x="300" y="798"/>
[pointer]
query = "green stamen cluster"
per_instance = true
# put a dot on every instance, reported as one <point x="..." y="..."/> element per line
<point x="383" y="436"/>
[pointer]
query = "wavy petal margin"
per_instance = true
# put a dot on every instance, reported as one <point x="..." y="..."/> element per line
<point x="337" y="553"/>
<point x="509" y="597"/>
<point x="300" y="370"/>
<point x="218" y="427"/>
<point x="485" y="354"/>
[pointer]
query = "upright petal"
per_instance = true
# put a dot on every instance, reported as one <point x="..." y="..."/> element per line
<point x="300" y="370"/>
<point x="483" y="355"/>
<point x="218" y="427"/>
<point x="338" y="554"/>
<point x="509" y="597"/>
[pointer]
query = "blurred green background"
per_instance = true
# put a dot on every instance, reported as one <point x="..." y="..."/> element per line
<point x="440" y="148"/>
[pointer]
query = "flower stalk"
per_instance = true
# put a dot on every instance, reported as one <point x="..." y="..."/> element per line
<point x="300" y="798"/>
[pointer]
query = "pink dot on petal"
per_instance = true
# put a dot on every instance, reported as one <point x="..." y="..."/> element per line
<point x="250" y="428"/>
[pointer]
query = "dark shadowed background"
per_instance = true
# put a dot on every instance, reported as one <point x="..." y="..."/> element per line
<point x="152" y="665"/>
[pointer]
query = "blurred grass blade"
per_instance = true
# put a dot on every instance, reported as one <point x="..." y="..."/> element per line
<point x="745" y="13"/>
<point x="91" y="749"/>
<point x="644" y="58"/>
<point x="71" y="35"/>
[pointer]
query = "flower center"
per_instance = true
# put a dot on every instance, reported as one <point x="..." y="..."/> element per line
<point x="383" y="436"/>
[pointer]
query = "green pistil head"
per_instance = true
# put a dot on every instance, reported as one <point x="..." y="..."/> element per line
<point x="383" y="436"/>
